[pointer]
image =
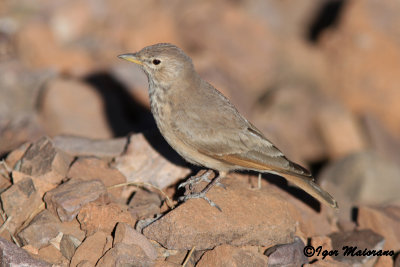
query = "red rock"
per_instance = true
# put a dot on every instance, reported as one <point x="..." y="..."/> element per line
<point x="265" y="219"/>
<point x="327" y="263"/>
<point x="19" y="202"/>
<point x="145" y="204"/>
<point x="325" y="243"/>
<point x="350" y="139"/>
<point x="384" y="262"/>
<point x="124" y="255"/>
<point x="75" y="108"/>
<point x="53" y="256"/>
<point x="12" y="255"/>
<point x="38" y="48"/>
<point x="5" y="178"/>
<point x="45" y="162"/>
<point x="142" y="163"/>
<point x="291" y="254"/>
<point x="94" y="217"/>
<point x="16" y="155"/>
<point x="91" y="249"/>
<point x="363" y="58"/>
<point x="80" y="146"/>
<point x="129" y="236"/>
<point x="226" y="255"/>
<point x="71" y="20"/>
<point x="383" y="220"/>
<point x="67" y="199"/>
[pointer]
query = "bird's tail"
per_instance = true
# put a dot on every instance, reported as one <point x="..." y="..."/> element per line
<point x="308" y="185"/>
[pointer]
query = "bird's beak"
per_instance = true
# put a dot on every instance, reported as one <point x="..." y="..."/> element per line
<point x="131" y="58"/>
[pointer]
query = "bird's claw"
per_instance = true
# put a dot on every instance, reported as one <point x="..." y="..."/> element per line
<point x="193" y="180"/>
<point x="199" y="195"/>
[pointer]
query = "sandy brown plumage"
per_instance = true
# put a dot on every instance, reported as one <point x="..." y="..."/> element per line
<point x="204" y="127"/>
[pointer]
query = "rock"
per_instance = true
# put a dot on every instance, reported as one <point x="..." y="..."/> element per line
<point x="68" y="246"/>
<point x="125" y="255"/>
<point x="12" y="255"/>
<point x="179" y="258"/>
<point x="72" y="107"/>
<point x="226" y="255"/>
<point x="361" y="239"/>
<point x="38" y="48"/>
<point x="266" y="219"/>
<point x="16" y="155"/>
<point x="81" y="146"/>
<point x="356" y="44"/>
<point x="45" y="162"/>
<point x="291" y="254"/>
<point x="5" y="178"/>
<point x="144" y="204"/>
<point x="383" y="220"/>
<point x="351" y="139"/>
<point x="97" y="217"/>
<point x="91" y="249"/>
<point x="325" y="243"/>
<point x="142" y="163"/>
<point x="382" y="141"/>
<point x="364" y="177"/>
<point x="327" y="263"/>
<point x="44" y="227"/>
<point x="20" y="88"/>
<point x="67" y="199"/>
<point x="95" y="169"/>
<point x="19" y="202"/>
<point x="53" y="256"/>
<point x="129" y="236"/>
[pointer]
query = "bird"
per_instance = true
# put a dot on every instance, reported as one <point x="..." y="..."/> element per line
<point x="206" y="129"/>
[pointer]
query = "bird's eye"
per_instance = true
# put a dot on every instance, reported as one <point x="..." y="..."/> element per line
<point x="156" y="61"/>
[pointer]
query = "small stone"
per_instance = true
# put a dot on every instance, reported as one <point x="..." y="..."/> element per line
<point x="68" y="246"/>
<point x="125" y="255"/>
<point x="196" y="223"/>
<point x="226" y="255"/>
<point x="291" y="254"/>
<point x="44" y="227"/>
<point x="129" y="236"/>
<point x="44" y="161"/>
<point x="67" y="199"/>
<point x="361" y="239"/>
<point x="321" y="241"/>
<point x="91" y="249"/>
<point x="53" y="256"/>
<point x="96" y="169"/>
<point x="12" y="255"/>
<point x="142" y="163"/>
<point x="96" y="217"/>
<point x="144" y="204"/>
<point x="85" y="147"/>
<point x="20" y="201"/>
<point x="383" y="220"/>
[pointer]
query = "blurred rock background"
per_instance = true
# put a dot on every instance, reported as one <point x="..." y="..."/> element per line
<point x="321" y="79"/>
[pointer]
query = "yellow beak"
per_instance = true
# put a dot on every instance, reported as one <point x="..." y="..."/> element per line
<point x="131" y="58"/>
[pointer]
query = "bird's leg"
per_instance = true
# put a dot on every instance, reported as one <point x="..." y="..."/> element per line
<point x="203" y="193"/>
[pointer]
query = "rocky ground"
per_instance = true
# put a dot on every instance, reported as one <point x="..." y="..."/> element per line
<point x="87" y="180"/>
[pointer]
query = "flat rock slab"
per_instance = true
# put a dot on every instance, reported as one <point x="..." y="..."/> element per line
<point x="82" y="146"/>
<point x="249" y="217"/>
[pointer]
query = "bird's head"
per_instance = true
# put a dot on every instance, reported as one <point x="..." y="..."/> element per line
<point x="161" y="62"/>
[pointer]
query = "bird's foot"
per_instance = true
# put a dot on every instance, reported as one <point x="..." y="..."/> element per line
<point x="202" y="195"/>
<point x="194" y="180"/>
